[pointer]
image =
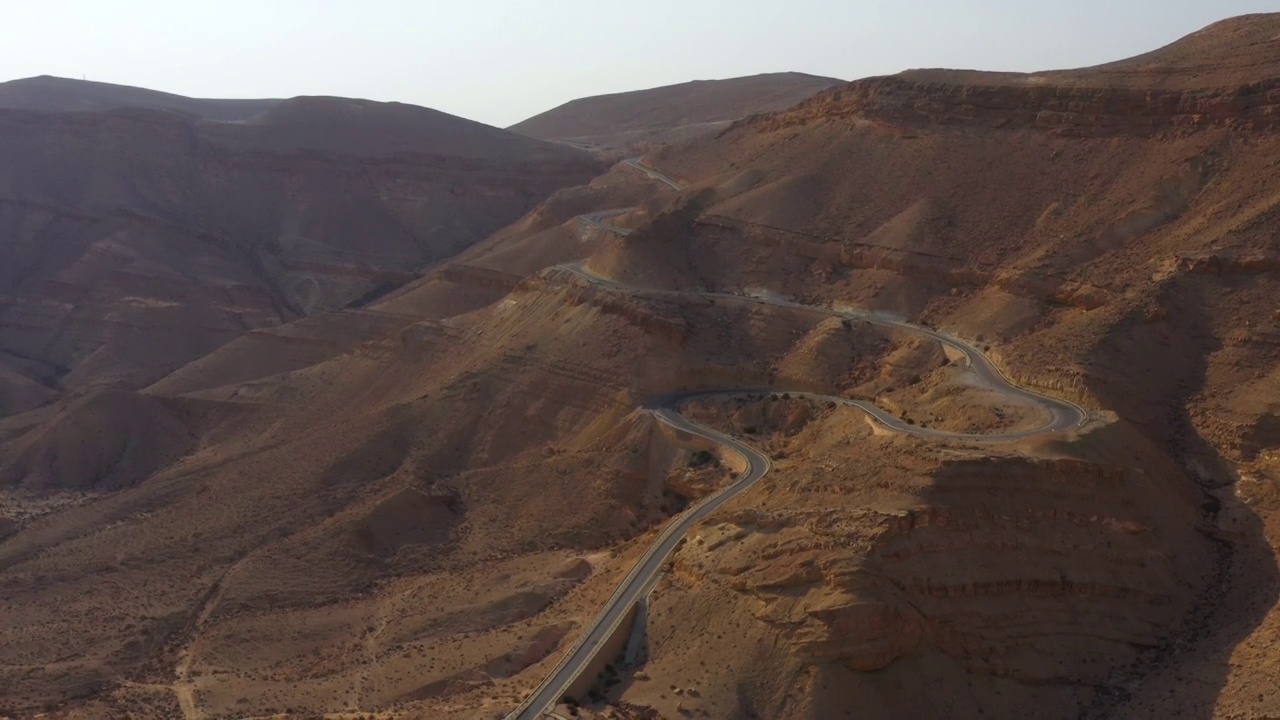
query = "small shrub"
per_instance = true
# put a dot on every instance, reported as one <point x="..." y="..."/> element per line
<point x="700" y="458"/>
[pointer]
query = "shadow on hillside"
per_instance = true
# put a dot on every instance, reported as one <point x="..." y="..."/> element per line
<point x="1185" y="678"/>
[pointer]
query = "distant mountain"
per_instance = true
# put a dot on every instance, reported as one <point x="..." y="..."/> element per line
<point x="64" y="94"/>
<point x="365" y="127"/>
<point x="634" y="121"/>
<point x="136" y="239"/>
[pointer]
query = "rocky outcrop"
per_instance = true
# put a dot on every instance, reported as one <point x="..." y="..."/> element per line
<point x="910" y="263"/>
<point x="1228" y="263"/>
<point x="480" y="277"/>
<point x="1030" y="102"/>
<point x="1017" y="568"/>
<point x="580" y="292"/>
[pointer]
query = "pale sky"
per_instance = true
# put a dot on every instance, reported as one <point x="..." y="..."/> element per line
<point x="500" y="61"/>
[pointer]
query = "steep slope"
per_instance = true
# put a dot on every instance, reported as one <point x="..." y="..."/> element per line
<point x="411" y="507"/>
<point x="631" y="122"/>
<point x="133" y="241"/>
<point x="1107" y="231"/>
<point x="54" y="94"/>
<point x="364" y="127"/>
<point x="553" y="232"/>
<point x="1234" y="52"/>
<point x="417" y="482"/>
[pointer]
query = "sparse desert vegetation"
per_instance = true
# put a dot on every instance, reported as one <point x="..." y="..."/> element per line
<point x="332" y="408"/>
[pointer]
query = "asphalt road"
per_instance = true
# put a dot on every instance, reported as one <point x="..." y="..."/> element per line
<point x="597" y="220"/>
<point x="635" y="163"/>
<point x="1061" y="415"/>
<point x="629" y="591"/>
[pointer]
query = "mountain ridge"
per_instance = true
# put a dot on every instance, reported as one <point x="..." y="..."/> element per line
<point x="52" y="93"/>
<point x="633" y="121"/>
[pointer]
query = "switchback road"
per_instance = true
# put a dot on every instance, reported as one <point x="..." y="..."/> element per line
<point x="1060" y="415"/>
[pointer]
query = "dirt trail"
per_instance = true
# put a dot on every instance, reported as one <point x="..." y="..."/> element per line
<point x="183" y="687"/>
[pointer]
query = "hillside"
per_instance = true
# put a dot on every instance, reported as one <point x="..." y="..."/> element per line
<point x="133" y="241"/>
<point x="409" y="505"/>
<point x="1108" y="232"/>
<point x="1230" y="53"/>
<point x="55" y="94"/>
<point x="633" y="122"/>
<point x="364" y="127"/>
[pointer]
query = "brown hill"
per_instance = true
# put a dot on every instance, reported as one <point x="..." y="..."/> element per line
<point x="54" y="94"/>
<point x="104" y="441"/>
<point x="1237" y="51"/>
<point x="633" y="122"/>
<point x="133" y="241"/>
<point x="1224" y="74"/>
<point x="364" y="127"/>
<point x="1107" y="231"/>
<point x="410" y="508"/>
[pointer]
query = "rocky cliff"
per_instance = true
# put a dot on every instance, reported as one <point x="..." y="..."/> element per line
<point x="1038" y="103"/>
<point x="1226" y="75"/>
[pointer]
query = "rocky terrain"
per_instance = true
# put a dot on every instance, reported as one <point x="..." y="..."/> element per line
<point x="137" y="240"/>
<point x="628" y="123"/>
<point x="406" y="501"/>
<point x="1103" y="256"/>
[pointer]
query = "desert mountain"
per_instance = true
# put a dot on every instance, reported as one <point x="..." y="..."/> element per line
<point x="135" y="240"/>
<point x="64" y="94"/>
<point x="413" y="506"/>
<point x="632" y="122"/>
<point x="1109" y="233"/>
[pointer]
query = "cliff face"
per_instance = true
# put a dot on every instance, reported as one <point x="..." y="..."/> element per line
<point x="1009" y="613"/>
<point x="866" y="563"/>
<point x="1226" y="75"/>
<point x="1038" y="103"/>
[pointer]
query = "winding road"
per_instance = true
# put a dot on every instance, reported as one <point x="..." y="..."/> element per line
<point x="1061" y="415"/>
<point x="638" y="165"/>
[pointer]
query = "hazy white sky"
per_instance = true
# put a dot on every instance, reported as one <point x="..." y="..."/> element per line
<point x="500" y="61"/>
